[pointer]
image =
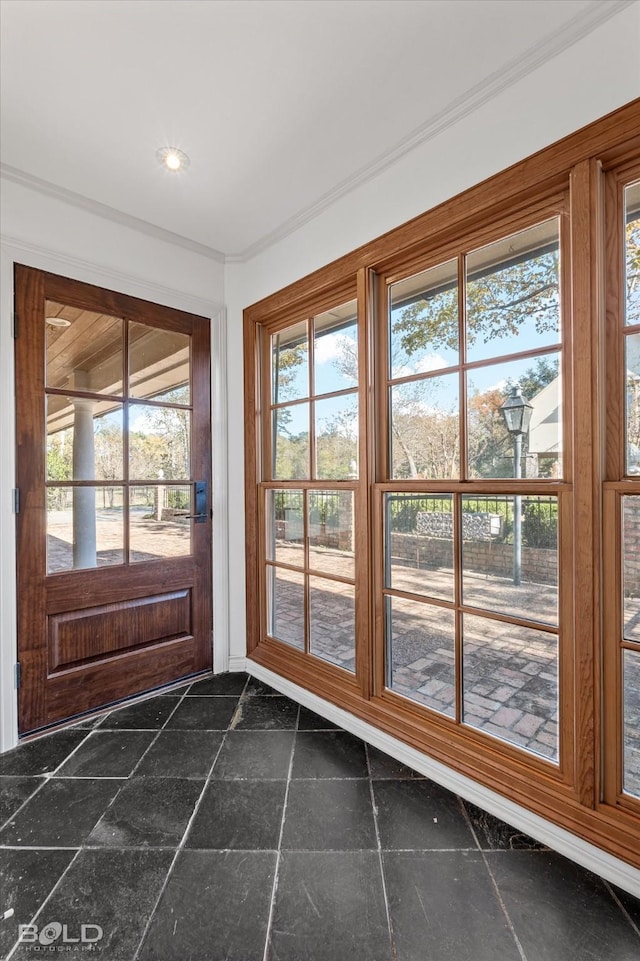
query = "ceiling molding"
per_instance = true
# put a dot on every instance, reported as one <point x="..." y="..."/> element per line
<point x="505" y="76"/>
<point x="107" y="213"/>
<point x="33" y="255"/>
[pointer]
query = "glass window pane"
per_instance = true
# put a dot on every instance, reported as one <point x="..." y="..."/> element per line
<point x="290" y="364"/>
<point x="425" y="430"/>
<point x="419" y="544"/>
<point x="159" y="443"/>
<point x="159" y="364"/>
<point x="423" y="321"/>
<point x="85" y="527"/>
<point x="99" y="455"/>
<point x="492" y="449"/>
<point x="331" y="543"/>
<point x="632" y="367"/>
<point x="631" y="567"/>
<point x="332" y="622"/>
<point x="159" y="522"/>
<point x="631" y="763"/>
<point x="510" y="569"/>
<point x="632" y="252"/>
<point x="513" y="293"/>
<point x="510" y="686"/>
<point x="291" y="442"/>
<point x="84" y="349"/>
<point x="335" y="349"/>
<point x="285" y="527"/>
<point x="337" y="437"/>
<point x="285" y="602"/>
<point x="421" y="653"/>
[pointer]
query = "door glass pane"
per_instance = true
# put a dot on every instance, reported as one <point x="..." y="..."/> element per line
<point x="159" y="364"/>
<point x="419" y="544"/>
<point x="332" y="622"/>
<point x="159" y="443"/>
<point x="631" y="764"/>
<point x="513" y="293"/>
<point x="538" y="448"/>
<point x="511" y="683"/>
<point x="99" y="451"/>
<point x="290" y="364"/>
<point x="159" y="525"/>
<point x="425" y="429"/>
<point x="337" y="437"/>
<point x="285" y="527"/>
<point x="331" y="544"/>
<point x="423" y="321"/>
<point x="421" y="653"/>
<point x="85" y="527"/>
<point x="631" y="567"/>
<point x="84" y="350"/>
<point x="632" y="367"/>
<point x="285" y="606"/>
<point x="291" y="442"/>
<point x="508" y="568"/>
<point x="335" y="349"/>
<point x="632" y="252"/>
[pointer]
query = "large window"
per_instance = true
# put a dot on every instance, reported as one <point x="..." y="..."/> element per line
<point x="444" y="483"/>
<point x="471" y="586"/>
<point x="622" y="494"/>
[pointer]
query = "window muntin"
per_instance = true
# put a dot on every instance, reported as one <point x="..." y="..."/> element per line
<point x="511" y="294"/>
<point x="311" y="571"/>
<point x="314" y="403"/>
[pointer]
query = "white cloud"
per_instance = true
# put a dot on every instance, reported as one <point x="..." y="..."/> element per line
<point x="430" y="362"/>
<point x="330" y="347"/>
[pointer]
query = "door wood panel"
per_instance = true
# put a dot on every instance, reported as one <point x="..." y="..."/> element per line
<point x="88" y="637"/>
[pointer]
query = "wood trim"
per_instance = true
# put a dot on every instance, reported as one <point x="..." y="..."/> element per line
<point x="585" y="328"/>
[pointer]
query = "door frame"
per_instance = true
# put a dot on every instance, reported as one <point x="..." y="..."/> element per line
<point x="87" y="272"/>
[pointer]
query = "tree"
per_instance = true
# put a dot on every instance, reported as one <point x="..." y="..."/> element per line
<point x="499" y="303"/>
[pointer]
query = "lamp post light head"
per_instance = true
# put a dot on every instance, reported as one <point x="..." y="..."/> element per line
<point x="516" y="412"/>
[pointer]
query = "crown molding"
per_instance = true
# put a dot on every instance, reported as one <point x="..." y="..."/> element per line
<point x="33" y="255"/>
<point x="106" y="212"/>
<point x="472" y="99"/>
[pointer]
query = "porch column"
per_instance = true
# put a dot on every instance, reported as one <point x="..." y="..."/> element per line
<point x="84" y="498"/>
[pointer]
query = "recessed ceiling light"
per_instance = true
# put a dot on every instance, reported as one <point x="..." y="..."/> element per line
<point x="57" y="322"/>
<point x="172" y="159"/>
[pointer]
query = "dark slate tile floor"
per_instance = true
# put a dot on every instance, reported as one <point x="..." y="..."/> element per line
<point x="221" y="821"/>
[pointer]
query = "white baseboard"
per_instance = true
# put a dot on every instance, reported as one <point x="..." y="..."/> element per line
<point x="587" y="855"/>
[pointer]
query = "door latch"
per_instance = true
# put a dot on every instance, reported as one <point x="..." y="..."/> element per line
<point x="200" y="502"/>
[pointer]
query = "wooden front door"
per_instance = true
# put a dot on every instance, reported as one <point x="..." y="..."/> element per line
<point x="114" y="516"/>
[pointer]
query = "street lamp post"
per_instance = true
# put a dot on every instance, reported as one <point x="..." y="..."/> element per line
<point x="516" y="412"/>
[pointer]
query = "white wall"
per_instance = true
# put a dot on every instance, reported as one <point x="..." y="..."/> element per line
<point x="45" y="232"/>
<point x="595" y="76"/>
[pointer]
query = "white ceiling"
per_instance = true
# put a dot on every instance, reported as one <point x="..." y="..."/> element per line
<point x="282" y="105"/>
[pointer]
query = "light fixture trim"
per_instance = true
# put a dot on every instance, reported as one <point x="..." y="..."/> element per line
<point x="173" y="159"/>
<point x="57" y="322"/>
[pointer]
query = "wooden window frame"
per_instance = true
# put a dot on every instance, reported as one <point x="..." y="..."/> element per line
<point x="575" y="172"/>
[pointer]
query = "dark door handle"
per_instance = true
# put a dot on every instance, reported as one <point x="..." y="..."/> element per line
<point x="200" y="499"/>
